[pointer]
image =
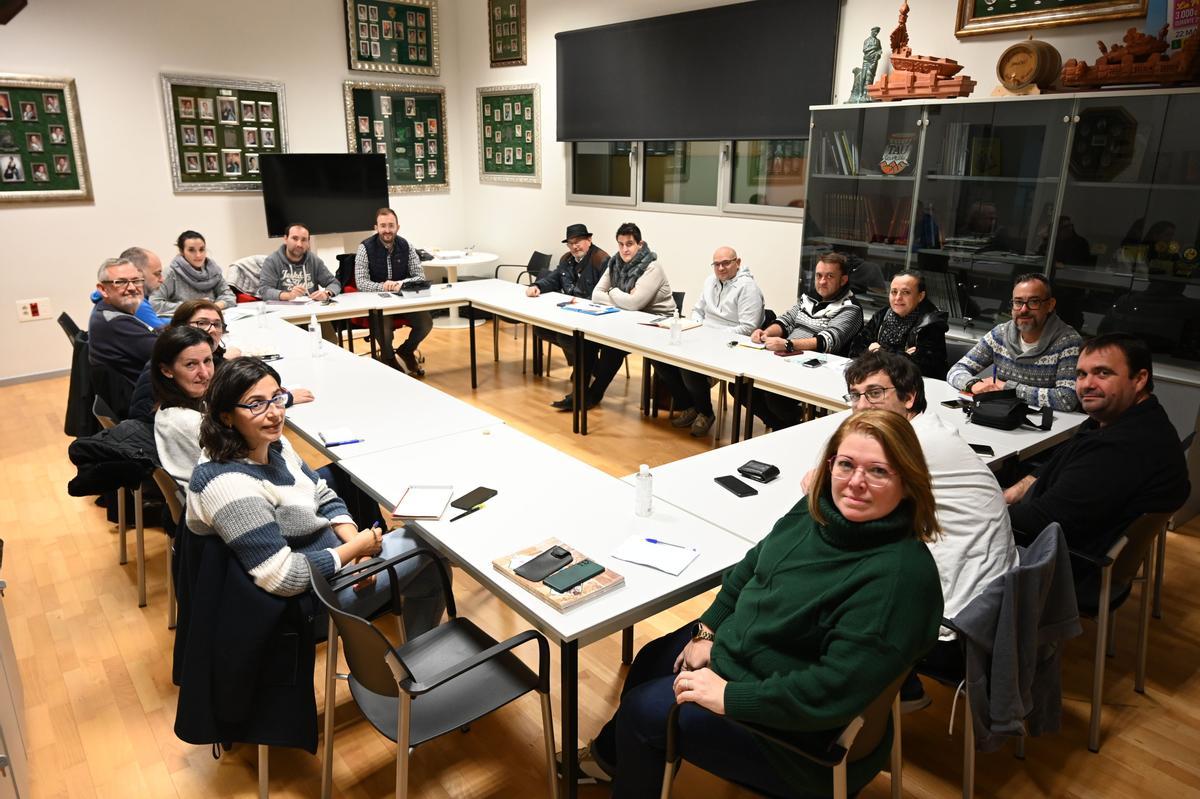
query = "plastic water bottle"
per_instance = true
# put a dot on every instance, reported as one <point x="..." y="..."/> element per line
<point x="676" y="329"/>
<point x="261" y="313"/>
<point x="643" y="497"/>
<point x="314" y="333"/>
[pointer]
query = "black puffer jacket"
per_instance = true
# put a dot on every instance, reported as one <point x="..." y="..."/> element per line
<point x="118" y="458"/>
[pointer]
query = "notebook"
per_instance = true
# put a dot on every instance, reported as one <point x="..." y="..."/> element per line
<point x="423" y="502"/>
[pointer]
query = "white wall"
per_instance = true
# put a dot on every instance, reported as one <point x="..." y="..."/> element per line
<point x="116" y="49"/>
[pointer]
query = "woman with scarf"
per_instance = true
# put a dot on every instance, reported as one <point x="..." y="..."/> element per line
<point x="633" y="280"/>
<point x="192" y="275"/>
<point x="911" y="326"/>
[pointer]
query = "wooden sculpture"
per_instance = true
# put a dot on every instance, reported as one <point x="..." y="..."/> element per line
<point x="1141" y="59"/>
<point x="915" y="76"/>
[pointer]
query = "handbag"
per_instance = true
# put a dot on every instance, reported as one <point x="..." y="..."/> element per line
<point x="1004" y="410"/>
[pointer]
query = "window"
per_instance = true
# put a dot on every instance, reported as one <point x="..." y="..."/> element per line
<point x="755" y="178"/>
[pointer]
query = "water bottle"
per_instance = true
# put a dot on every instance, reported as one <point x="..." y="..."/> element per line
<point x="676" y="329"/>
<point x="261" y="313"/>
<point x="643" y="496"/>
<point x="314" y="333"/>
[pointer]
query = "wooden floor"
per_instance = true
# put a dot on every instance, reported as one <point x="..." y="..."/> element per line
<point x="100" y="704"/>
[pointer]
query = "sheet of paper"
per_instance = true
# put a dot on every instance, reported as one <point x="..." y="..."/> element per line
<point x="423" y="502"/>
<point x="338" y="435"/>
<point x="671" y="558"/>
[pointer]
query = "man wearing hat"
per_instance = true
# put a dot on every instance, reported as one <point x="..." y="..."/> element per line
<point x="576" y="275"/>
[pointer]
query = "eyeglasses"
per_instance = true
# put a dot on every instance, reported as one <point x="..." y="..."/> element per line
<point x="122" y="282"/>
<point x="259" y="407"/>
<point x="1033" y="303"/>
<point x="723" y="264"/>
<point x="843" y="469"/>
<point x="873" y="394"/>
<point x="207" y="324"/>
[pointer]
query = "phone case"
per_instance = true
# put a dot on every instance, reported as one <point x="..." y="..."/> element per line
<point x="566" y="579"/>
<point x="544" y="564"/>
<point x="472" y="498"/>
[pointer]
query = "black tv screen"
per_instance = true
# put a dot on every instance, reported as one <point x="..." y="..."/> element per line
<point x="328" y="192"/>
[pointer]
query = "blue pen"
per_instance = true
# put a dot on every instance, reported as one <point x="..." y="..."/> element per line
<point x="342" y="443"/>
<point x="993" y="373"/>
<point x="664" y="543"/>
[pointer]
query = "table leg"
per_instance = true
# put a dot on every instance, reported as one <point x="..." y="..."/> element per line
<point x="474" y="375"/>
<point x="569" y="714"/>
<point x="748" y="387"/>
<point x="585" y="376"/>
<point x="735" y="428"/>
<point x="646" y="384"/>
<point x="577" y="385"/>
<point x="627" y="645"/>
<point x="375" y="323"/>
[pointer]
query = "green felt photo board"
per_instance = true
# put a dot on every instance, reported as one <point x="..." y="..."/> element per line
<point x="42" y="157"/>
<point x="405" y="123"/>
<point x="977" y="17"/>
<point x="393" y="36"/>
<point x="510" y="133"/>
<point x="506" y="32"/>
<point x="217" y="128"/>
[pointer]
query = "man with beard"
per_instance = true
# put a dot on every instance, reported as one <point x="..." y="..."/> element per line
<point x="117" y="338"/>
<point x="1033" y="354"/>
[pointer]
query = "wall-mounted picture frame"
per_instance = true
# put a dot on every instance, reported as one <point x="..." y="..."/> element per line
<point x="399" y="36"/>
<point x="42" y="154"/>
<point x="979" y="17"/>
<point x="509" y="122"/>
<point x="243" y="116"/>
<point x="507" y="38"/>
<point x="407" y="124"/>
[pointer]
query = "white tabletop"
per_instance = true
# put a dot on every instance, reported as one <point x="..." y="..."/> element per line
<point x="544" y="493"/>
<point x="461" y="258"/>
<point x="354" y="303"/>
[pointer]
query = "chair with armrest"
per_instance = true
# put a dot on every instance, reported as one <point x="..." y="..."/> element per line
<point x="175" y="504"/>
<point x="108" y="420"/>
<point x="1129" y="560"/>
<point x="360" y="326"/>
<point x="430" y="685"/>
<point x="852" y="743"/>
<point x="68" y="326"/>
<point x="539" y="264"/>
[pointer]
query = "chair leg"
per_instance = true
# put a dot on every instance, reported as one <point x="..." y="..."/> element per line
<point x="1139" y="675"/>
<point x="897" y="752"/>
<point x="140" y="541"/>
<point x="968" y="786"/>
<point x="264" y="764"/>
<point x="626" y="367"/>
<point x="668" y="778"/>
<point x="172" y="608"/>
<point x="1111" y="649"/>
<point x="524" y="349"/>
<point x="548" y="736"/>
<point x="1160" y="559"/>
<point x="331" y="649"/>
<point x="722" y="409"/>
<point x="495" y="338"/>
<point x="1098" y="666"/>
<point x="839" y="781"/>
<point x="402" y="746"/>
<point x="123" y="554"/>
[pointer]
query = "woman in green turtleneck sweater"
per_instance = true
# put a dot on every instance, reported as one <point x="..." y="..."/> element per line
<point x="840" y="599"/>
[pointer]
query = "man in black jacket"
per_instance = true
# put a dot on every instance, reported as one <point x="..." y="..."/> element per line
<point x="1124" y="461"/>
<point x="576" y="275"/>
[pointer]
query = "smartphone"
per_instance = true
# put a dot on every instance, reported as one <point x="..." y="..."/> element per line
<point x="983" y="449"/>
<point x="736" y="486"/>
<point x="545" y="564"/>
<point x="271" y="357"/>
<point x="473" y="498"/>
<point x="812" y="363"/>
<point x="564" y="580"/>
<point x="957" y="403"/>
<point x="385" y="294"/>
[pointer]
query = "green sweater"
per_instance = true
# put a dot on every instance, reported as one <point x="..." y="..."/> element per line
<point x="815" y="622"/>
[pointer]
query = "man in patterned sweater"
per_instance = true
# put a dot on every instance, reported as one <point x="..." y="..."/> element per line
<point x="1034" y="353"/>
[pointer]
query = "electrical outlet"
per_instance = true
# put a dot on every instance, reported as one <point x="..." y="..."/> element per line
<point x="33" y="310"/>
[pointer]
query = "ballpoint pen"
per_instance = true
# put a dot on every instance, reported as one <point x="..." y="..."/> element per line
<point x="665" y="543"/>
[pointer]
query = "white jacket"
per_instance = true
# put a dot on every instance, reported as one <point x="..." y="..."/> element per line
<point x="735" y="305"/>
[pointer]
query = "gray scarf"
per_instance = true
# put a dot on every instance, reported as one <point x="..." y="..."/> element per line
<point x="625" y="275"/>
<point x="202" y="281"/>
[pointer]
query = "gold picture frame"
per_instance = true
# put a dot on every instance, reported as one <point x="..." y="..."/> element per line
<point x="980" y="17"/>
<point x="396" y="36"/>
<point x="508" y="28"/>
<point x="405" y="122"/>
<point x="42" y="153"/>
<point x="497" y="132"/>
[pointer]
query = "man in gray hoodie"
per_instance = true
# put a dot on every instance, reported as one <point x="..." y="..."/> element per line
<point x="730" y="301"/>
<point x="294" y="271"/>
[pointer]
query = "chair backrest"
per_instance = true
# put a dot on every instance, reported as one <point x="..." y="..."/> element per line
<point x="365" y="646"/>
<point x="678" y="295"/>
<point x="114" y="387"/>
<point x="876" y="719"/>
<point x="768" y="317"/>
<point x="1139" y="537"/>
<point x="68" y="326"/>
<point x="539" y="262"/>
<point x="345" y="270"/>
<point x="956" y="349"/>
<point x="104" y="414"/>
<point x="171" y="493"/>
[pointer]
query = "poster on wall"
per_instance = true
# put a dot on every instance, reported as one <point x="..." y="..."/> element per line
<point x="977" y="17"/>
<point x="42" y="156"/>
<point x="393" y="36"/>
<point x="407" y="124"/>
<point x="218" y="127"/>
<point x="506" y="32"/>
<point x="510" y="131"/>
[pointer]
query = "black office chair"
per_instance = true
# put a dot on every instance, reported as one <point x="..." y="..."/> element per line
<point x="853" y="742"/>
<point x="539" y="264"/>
<point x="68" y="326"/>
<point x="455" y="672"/>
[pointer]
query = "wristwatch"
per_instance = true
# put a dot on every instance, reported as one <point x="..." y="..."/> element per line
<point x="970" y="384"/>
<point x="699" y="633"/>
<point x="788" y="346"/>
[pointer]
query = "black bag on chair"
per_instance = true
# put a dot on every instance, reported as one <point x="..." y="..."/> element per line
<point x="1004" y="410"/>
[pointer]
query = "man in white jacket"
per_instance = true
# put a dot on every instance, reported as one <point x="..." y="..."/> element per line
<point x="730" y="301"/>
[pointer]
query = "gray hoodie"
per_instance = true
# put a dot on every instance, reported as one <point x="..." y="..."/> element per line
<point x="735" y="305"/>
<point x="279" y="275"/>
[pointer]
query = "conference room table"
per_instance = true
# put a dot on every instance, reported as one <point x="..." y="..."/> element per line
<point x="451" y="261"/>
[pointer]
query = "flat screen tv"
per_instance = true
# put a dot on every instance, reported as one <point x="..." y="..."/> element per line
<point x="328" y="192"/>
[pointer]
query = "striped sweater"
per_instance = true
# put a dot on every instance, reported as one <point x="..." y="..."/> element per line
<point x="277" y="518"/>
<point x="1043" y="375"/>
<point x="833" y="323"/>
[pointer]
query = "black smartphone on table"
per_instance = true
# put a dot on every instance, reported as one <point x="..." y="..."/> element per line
<point x="564" y="580"/>
<point x="473" y="498"/>
<point x="812" y="363"/>
<point x="736" y="486"/>
<point x="982" y="449"/>
<point x="957" y="403"/>
<point x="545" y="564"/>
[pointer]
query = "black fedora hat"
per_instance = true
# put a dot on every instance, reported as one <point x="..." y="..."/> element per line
<point x="576" y="230"/>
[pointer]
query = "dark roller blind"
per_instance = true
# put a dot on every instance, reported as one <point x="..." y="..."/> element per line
<point x="744" y="71"/>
